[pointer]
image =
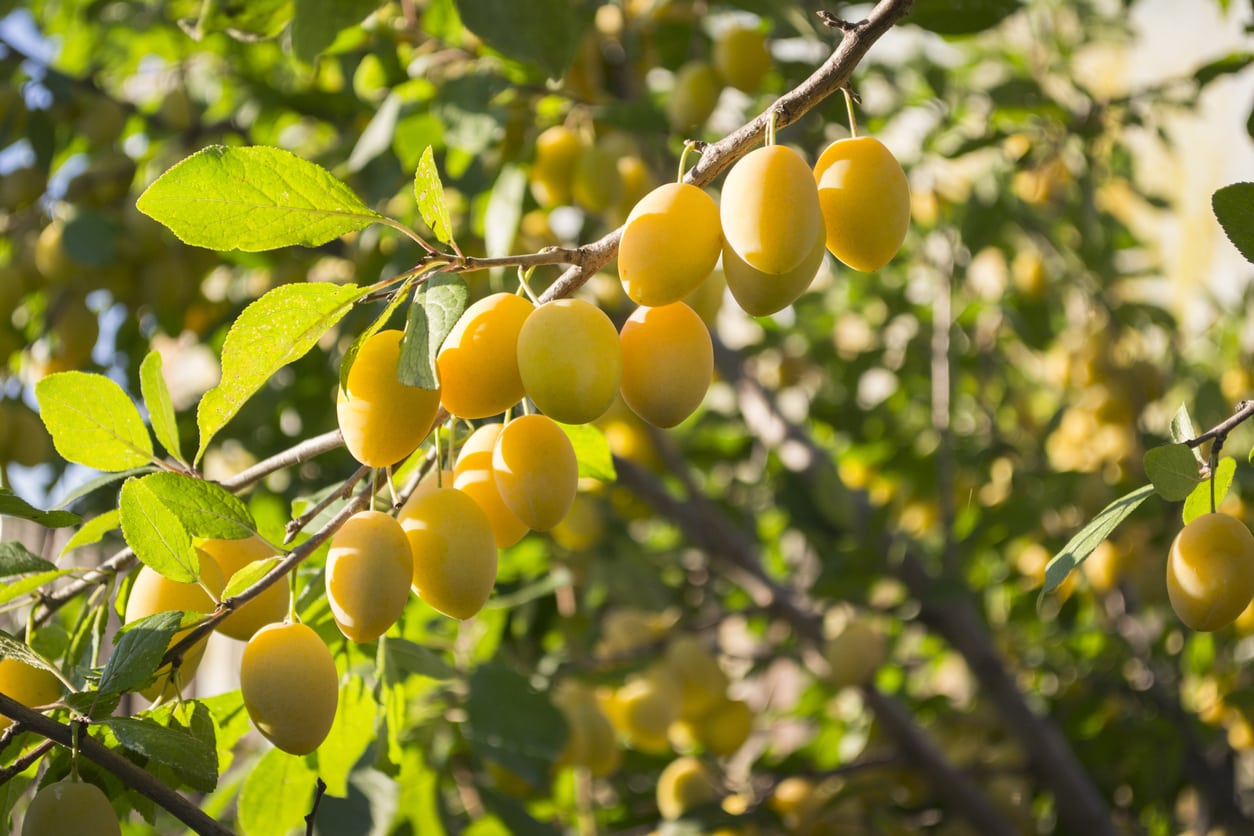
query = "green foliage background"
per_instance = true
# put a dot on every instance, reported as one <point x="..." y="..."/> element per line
<point x="914" y="444"/>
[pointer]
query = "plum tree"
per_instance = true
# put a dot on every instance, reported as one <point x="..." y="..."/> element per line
<point x="369" y="568"/>
<point x="671" y="241"/>
<point x="70" y="806"/>
<point x="577" y="386"/>
<point x="668" y="363"/>
<point x="383" y="420"/>
<point x="535" y="469"/>
<point x="454" y="552"/>
<point x="1210" y="571"/>
<point x="865" y="199"/>
<point x="290" y="686"/>
<point x="478" y="363"/>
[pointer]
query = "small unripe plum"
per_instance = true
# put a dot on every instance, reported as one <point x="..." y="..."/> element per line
<point x="865" y="199"/>
<point x="582" y="527"/>
<point x="668" y="363"/>
<point x="553" y="171"/>
<point x="268" y="607"/>
<point x="570" y="360"/>
<point x="702" y="682"/>
<point x="478" y="363"/>
<point x="760" y="293"/>
<point x="383" y="420"/>
<point x="29" y="685"/>
<point x="369" y="568"/>
<point x="536" y="471"/>
<point x="671" y="242"/>
<point x="70" y="807"/>
<point x="1210" y="571"/>
<point x="684" y="784"/>
<point x="454" y="552"/>
<point x="694" y="96"/>
<point x="741" y="57"/>
<point x="290" y="687"/>
<point x="770" y="209"/>
<point x="152" y="593"/>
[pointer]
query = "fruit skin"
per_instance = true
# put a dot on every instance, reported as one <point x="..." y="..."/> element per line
<point x="478" y="363"/>
<point x="694" y="96"/>
<point x="741" y="57"/>
<point x="153" y="593"/>
<point x="268" y="607"/>
<point x="770" y="209"/>
<point x="760" y="293"/>
<point x="670" y="244"/>
<point x="685" y="783"/>
<point x="472" y="474"/>
<point x="570" y="360"/>
<point x="724" y="727"/>
<point x="644" y="708"/>
<point x="27" y="684"/>
<point x="668" y="363"/>
<point x="290" y="686"/>
<point x="854" y="654"/>
<point x="865" y="199"/>
<point x="454" y="552"/>
<point x="368" y="573"/>
<point x="535" y="470"/>
<point x="383" y="420"/>
<point x="70" y="807"/>
<point x="1210" y="571"/>
<point x="553" y="172"/>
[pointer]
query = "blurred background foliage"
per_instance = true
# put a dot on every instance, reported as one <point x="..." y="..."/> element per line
<point x="1063" y="289"/>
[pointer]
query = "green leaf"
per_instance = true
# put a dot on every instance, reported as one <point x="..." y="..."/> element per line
<point x="248" y="575"/>
<point x="160" y="407"/>
<point x="94" y="530"/>
<point x="1198" y="502"/>
<point x="592" y="451"/>
<point x="12" y="505"/>
<point x="352" y="732"/>
<point x="430" y="193"/>
<point x="138" y="651"/>
<point x="16" y="589"/>
<point x="13" y="648"/>
<point x="405" y="657"/>
<point x="189" y="756"/>
<point x="253" y="199"/>
<point x="316" y="23"/>
<point x="1182" y="426"/>
<point x="16" y="559"/>
<point x="206" y="509"/>
<point x="156" y="534"/>
<point x="513" y="815"/>
<point x="273" y="331"/>
<point x="1173" y="469"/>
<point x="1234" y="208"/>
<point x="1233" y="62"/>
<point x="436" y="308"/>
<point x="251" y="21"/>
<point x="961" y="17"/>
<point x="1091" y="536"/>
<point x="544" y="33"/>
<point x="92" y="421"/>
<point x="523" y="732"/>
<point x="504" y="212"/>
<point x="276" y="796"/>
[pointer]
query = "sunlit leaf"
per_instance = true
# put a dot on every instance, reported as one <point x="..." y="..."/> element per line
<point x="1091" y="536"/>
<point x="436" y="308"/>
<point x="273" y="331"/>
<point x="276" y="795"/>
<point x="156" y="394"/>
<point x="1173" y="469"/>
<point x="592" y="451"/>
<point x="156" y="534"/>
<point x="206" y="509"/>
<point x="1199" y="501"/>
<point x="92" y="421"/>
<point x="94" y="530"/>
<point x="253" y="199"/>
<point x="430" y="194"/>
<point x="138" y="651"/>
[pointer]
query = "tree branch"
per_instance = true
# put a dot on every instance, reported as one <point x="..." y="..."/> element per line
<point x="128" y="773"/>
